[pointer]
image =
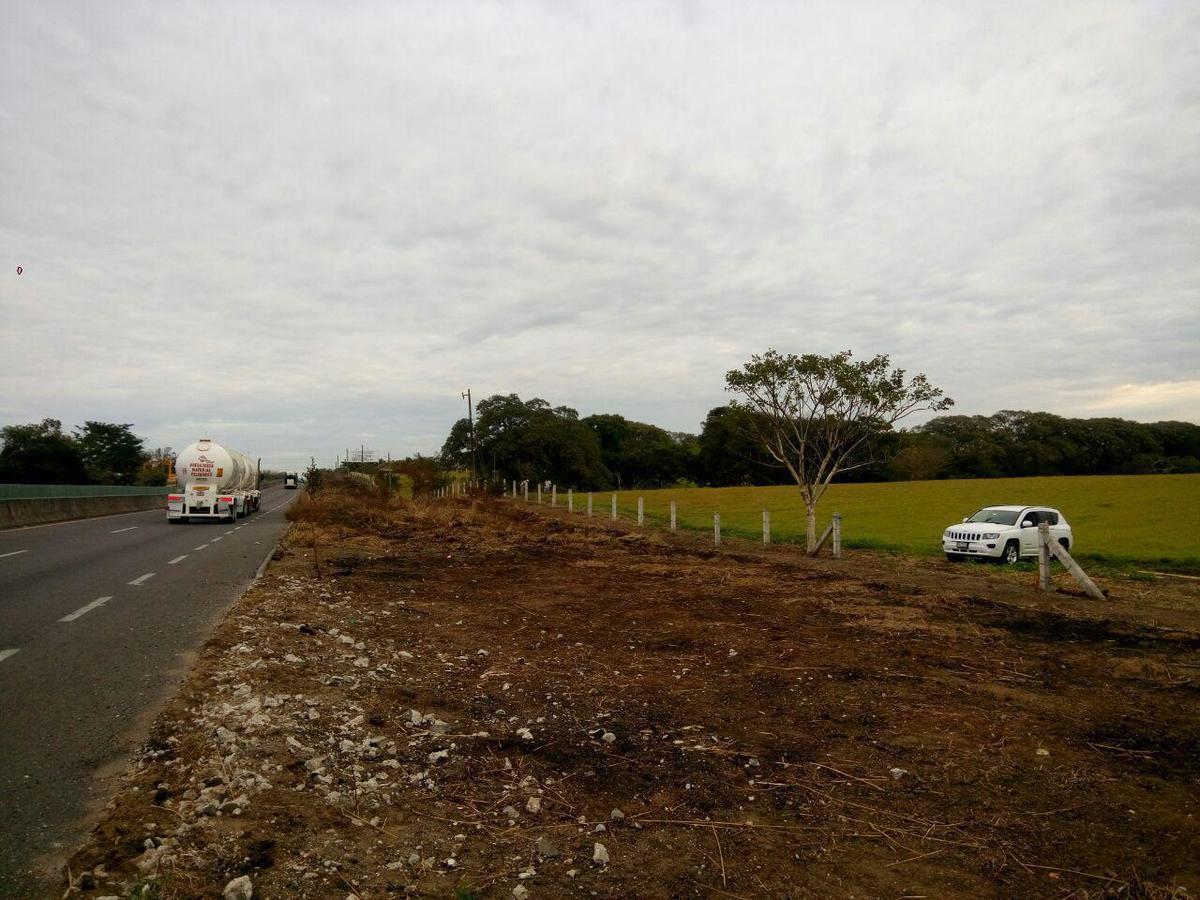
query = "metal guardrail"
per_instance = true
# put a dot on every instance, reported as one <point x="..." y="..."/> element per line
<point x="64" y="491"/>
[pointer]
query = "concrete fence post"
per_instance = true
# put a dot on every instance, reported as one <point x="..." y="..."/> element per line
<point x="641" y="511"/>
<point x="514" y="489"/>
<point x="614" y="507"/>
<point x="589" y="504"/>
<point x="673" y="519"/>
<point x="525" y="485"/>
<point x="837" y="535"/>
<point x="554" y="495"/>
<point x="766" y="527"/>
<point x="1043" y="557"/>
<point x="717" y="529"/>
<point x="570" y="501"/>
<point x="539" y="492"/>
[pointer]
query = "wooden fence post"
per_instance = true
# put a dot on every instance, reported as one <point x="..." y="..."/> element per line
<point x="589" y="504"/>
<point x="1043" y="557"/>
<point x="766" y="527"/>
<point x="641" y="512"/>
<point x="614" y="507"/>
<point x="837" y="535"/>
<point x="570" y="501"/>
<point x="716" y="529"/>
<point x="1081" y="576"/>
<point x="672" y="515"/>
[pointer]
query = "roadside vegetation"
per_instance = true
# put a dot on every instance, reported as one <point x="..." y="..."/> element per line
<point x="96" y="453"/>
<point x="535" y="440"/>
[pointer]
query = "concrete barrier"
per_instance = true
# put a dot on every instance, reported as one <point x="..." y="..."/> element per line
<point x="39" y="511"/>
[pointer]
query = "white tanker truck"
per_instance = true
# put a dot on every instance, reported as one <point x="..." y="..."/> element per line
<point x="217" y="483"/>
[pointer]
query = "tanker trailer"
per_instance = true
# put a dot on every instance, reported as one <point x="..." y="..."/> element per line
<point x="216" y="483"/>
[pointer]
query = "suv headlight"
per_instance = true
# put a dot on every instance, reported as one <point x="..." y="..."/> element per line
<point x="990" y="536"/>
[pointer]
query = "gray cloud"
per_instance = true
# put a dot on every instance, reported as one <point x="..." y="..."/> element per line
<point x="293" y="227"/>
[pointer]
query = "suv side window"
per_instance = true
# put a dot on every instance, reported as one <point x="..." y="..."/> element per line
<point x="1048" y="517"/>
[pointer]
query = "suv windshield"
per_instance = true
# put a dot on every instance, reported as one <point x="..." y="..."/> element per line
<point x="995" y="517"/>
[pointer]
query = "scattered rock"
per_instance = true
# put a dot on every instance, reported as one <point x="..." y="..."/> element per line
<point x="520" y="891"/>
<point x="600" y="855"/>
<point x="608" y="737"/>
<point x="240" y="888"/>
<point x="546" y="848"/>
<point x="534" y="804"/>
<point x="616" y="815"/>
<point x="525" y="733"/>
<point x="897" y="773"/>
<point x="439" y="756"/>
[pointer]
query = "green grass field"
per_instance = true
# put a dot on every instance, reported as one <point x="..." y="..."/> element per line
<point x="1151" y="520"/>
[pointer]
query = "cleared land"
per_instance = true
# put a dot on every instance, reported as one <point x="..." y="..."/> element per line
<point x="471" y="697"/>
<point x="1143" y="519"/>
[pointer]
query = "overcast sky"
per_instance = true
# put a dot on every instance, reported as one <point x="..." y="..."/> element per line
<point x="296" y="228"/>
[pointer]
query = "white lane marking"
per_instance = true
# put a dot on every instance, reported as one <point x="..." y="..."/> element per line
<point x="201" y="547"/>
<point x="231" y="531"/>
<point x="83" y="610"/>
<point x="13" y="553"/>
<point x="142" y="579"/>
<point x="119" y="530"/>
<point x="239" y="528"/>
<point x="5" y="654"/>
<point x="219" y="537"/>
<point x="177" y="559"/>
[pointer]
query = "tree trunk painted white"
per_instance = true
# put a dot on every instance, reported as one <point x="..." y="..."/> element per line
<point x="811" y="526"/>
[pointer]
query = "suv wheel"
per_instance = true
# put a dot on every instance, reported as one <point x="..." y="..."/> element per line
<point x="1012" y="553"/>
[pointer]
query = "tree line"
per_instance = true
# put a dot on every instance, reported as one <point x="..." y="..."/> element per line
<point x="532" y="439"/>
<point x="96" y="453"/>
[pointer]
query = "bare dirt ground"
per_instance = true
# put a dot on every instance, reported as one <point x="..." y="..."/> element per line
<point x="473" y="699"/>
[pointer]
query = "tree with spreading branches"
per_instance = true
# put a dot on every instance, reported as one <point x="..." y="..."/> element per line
<point x="819" y="416"/>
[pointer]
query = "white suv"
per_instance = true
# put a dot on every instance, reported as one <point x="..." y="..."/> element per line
<point x="1004" y="533"/>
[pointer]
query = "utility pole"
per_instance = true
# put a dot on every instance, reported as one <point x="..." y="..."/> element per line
<point x="471" y="418"/>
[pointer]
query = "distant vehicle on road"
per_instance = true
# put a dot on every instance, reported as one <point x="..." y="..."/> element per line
<point x="1004" y="533"/>
<point x="291" y="481"/>
<point x="217" y="483"/>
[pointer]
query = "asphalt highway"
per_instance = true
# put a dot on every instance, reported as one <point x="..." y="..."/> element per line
<point x="98" y="618"/>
